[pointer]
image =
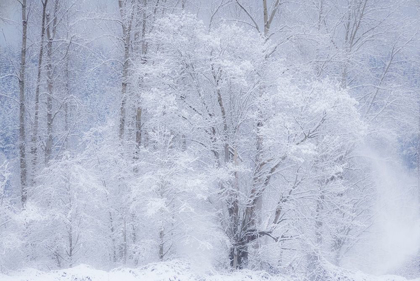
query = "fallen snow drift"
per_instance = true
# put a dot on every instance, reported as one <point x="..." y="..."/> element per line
<point x="174" y="271"/>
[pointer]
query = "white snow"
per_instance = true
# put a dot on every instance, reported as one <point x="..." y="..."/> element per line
<point x="176" y="270"/>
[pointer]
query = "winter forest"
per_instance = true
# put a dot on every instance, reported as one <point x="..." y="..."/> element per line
<point x="210" y="139"/>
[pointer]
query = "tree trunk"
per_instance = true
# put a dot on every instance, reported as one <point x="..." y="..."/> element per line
<point x="125" y="241"/>
<point x="48" y="145"/>
<point x="126" y="28"/>
<point x="66" y="104"/>
<point x="263" y="172"/>
<point x="238" y="257"/>
<point x="50" y="83"/>
<point x="138" y="129"/>
<point x="70" y="235"/>
<point x="140" y="48"/>
<point x="22" y="110"/>
<point x="34" y="149"/>
<point x="318" y="218"/>
<point x="162" y="243"/>
<point x="112" y="229"/>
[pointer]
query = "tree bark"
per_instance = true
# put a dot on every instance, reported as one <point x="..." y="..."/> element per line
<point x="66" y="106"/>
<point x="138" y="128"/>
<point x="126" y="29"/>
<point x="51" y="31"/>
<point x="125" y="250"/>
<point x="22" y="110"/>
<point x="238" y="257"/>
<point x="162" y="243"/>
<point x="140" y="47"/>
<point x="34" y="149"/>
<point x="263" y="168"/>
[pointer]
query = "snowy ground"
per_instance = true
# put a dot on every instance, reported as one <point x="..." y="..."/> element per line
<point x="172" y="271"/>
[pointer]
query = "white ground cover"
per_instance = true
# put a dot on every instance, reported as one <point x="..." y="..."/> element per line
<point x="176" y="271"/>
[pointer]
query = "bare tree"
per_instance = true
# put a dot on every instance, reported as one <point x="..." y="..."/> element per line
<point x="127" y="10"/>
<point x="22" y="109"/>
<point x="35" y="128"/>
<point x="51" y="32"/>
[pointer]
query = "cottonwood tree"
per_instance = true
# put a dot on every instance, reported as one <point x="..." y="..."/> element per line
<point x="263" y="167"/>
<point x="219" y="85"/>
<point x="316" y="161"/>
<point x="349" y="36"/>
<point x="202" y="90"/>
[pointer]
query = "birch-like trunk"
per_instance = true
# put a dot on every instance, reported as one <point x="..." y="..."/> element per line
<point x="140" y="47"/>
<point x="35" y="129"/>
<point x="22" y="110"/>
<point x="66" y="105"/>
<point x="126" y="29"/>
<point x="125" y="250"/>
<point x="68" y="94"/>
<point x="51" y="31"/>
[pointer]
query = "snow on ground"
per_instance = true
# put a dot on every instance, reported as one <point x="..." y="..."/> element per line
<point x="173" y="271"/>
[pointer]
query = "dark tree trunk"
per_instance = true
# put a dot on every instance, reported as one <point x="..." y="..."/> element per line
<point x="238" y="257"/>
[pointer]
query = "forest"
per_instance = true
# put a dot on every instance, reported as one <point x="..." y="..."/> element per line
<point x="210" y="139"/>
